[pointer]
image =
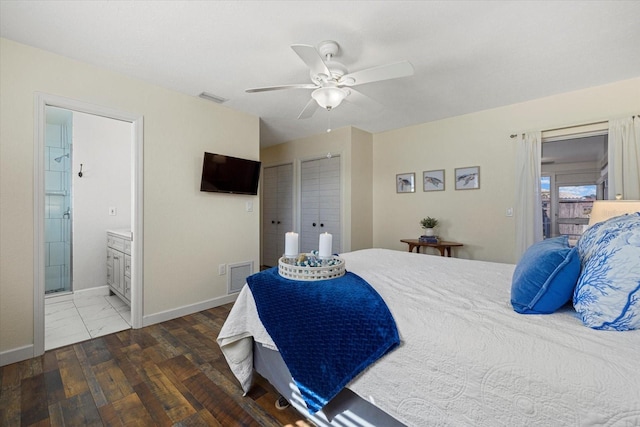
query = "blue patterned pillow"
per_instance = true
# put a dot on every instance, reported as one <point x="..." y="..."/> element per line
<point x="545" y="277"/>
<point x="607" y="295"/>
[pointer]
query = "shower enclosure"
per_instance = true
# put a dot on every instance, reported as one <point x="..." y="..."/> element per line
<point x="58" y="201"/>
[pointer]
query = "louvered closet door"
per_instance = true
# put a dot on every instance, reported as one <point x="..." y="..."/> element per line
<point x="320" y="202"/>
<point x="277" y="211"/>
<point x="285" y="206"/>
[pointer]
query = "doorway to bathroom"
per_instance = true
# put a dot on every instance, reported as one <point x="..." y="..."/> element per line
<point x="88" y="182"/>
<point x="80" y="209"/>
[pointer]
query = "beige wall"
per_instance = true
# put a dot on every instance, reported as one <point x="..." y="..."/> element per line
<point x="187" y="233"/>
<point x="103" y="147"/>
<point x="355" y="148"/>
<point x="475" y="217"/>
<point x="361" y="189"/>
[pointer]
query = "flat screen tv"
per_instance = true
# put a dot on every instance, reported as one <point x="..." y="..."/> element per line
<point x="226" y="174"/>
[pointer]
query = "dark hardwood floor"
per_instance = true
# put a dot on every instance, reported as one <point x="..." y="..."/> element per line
<point x="169" y="374"/>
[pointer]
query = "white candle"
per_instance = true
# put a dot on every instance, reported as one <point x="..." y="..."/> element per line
<point x="291" y="244"/>
<point x="326" y="241"/>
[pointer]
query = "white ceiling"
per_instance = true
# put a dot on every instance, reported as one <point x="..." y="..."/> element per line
<point x="468" y="56"/>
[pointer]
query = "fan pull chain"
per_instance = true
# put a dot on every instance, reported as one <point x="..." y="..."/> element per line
<point x="329" y="121"/>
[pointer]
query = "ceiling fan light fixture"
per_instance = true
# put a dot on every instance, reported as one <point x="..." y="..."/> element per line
<point x="329" y="97"/>
<point x="331" y="81"/>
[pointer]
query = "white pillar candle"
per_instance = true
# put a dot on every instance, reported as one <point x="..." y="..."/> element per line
<point x="326" y="241"/>
<point x="291" y="244"/>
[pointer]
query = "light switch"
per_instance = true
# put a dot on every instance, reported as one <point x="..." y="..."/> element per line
<point x="249" y="206"/>
<point x="222" y="269"/>
<point x="509" y="212"/>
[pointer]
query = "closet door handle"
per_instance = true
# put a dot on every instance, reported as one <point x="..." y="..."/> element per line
<point x="273" y="222"/>
<point x="278" y="222"/>
<point x="321" y="225"/>
<point x="314" y="224"/>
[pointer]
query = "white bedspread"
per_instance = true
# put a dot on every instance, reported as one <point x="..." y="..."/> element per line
<point x="467" y="358"/>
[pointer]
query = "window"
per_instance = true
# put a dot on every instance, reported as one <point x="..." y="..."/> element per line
<point x="545" y="190"/>
<point x="574" y="207"/>
<point x="573" y="168"/>
<point x="565" y="207"/>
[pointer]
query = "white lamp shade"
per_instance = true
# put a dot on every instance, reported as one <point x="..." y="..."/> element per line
<point x="329" y="97"/>
<point x="605" y="209"/>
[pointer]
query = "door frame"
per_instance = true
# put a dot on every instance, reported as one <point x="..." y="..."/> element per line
<point x="41" y="101"/>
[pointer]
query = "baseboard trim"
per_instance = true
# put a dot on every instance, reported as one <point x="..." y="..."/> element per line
<point x="16" y="355"/>
<point x="82" y="293"/>
<point x="186" y="310"/>
<point x="96" y="291"/>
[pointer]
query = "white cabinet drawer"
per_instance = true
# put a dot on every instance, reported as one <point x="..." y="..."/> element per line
<point x="115" y="242"/>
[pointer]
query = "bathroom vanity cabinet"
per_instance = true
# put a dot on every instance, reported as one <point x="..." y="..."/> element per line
<point x="119" y="263"/>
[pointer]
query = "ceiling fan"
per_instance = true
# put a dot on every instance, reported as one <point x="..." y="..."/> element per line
<point x="331" y="81"/>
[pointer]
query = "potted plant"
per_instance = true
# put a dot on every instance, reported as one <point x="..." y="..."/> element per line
<point x="429" y="224"/>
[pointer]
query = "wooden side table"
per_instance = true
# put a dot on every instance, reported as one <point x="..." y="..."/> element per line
<point x="442" y="246"/>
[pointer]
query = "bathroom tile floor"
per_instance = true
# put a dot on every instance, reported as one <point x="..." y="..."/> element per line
<point x="82" y="317"/>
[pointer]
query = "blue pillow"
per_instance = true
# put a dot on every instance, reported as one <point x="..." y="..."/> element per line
<point x="607" y="295"/>
<point x="545" y="277"/>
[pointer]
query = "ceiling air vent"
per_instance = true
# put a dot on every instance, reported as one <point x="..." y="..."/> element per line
<point x="212" y="97"/>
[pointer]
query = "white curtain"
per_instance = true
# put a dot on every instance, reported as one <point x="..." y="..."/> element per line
<point x="528" y="214"/>
<point x="624" y="158"/>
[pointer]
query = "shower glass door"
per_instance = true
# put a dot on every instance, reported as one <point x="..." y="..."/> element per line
<point x="57" y="222"/>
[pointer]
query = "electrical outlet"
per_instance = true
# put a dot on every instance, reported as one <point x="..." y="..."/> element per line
<point x="113" y="211"/>
<point x="222" y="269"/>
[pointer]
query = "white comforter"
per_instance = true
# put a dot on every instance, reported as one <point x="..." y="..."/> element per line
<point x="467" y="358"/>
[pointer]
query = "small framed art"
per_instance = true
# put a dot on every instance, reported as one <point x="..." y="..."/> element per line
<point x="406" y="183"/>
<point x="433" y="180"/>
<point x="468" y="178"/>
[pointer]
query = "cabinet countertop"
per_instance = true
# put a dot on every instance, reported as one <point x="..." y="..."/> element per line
<point x="122" y="232"/>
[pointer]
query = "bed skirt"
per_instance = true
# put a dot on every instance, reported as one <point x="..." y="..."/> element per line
<point x="347" y="408"/>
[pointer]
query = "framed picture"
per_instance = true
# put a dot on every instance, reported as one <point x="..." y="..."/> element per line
<point x="468" y="178"/>
<point x="433" y="180"/>
<point x="406" y="183"/>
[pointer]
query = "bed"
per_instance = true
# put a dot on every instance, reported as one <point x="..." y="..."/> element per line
<point x="466" y="358"/>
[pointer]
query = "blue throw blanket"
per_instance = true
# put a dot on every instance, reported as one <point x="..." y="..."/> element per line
<point x="327" y="331"/>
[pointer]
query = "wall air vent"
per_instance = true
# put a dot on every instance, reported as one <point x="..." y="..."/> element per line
<point x="211" y="97"/>
<point x="237" y="275"/>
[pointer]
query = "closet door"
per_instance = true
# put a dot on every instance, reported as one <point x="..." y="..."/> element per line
<point x="277" y="211"/>
<point x="269" y="213"/>
<point x="285" y="207"/>
<point x="320" y="202"/>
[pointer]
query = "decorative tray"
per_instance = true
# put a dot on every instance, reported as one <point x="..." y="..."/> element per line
<point x="332" y="268"/>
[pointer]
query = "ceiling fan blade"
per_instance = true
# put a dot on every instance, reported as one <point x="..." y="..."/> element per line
<point x="309" y="109"/>
<point x="362" y="100"/>
<point x="296" y="86"/>
<point x="376" y="74"/>
<point x="312" y="58"/>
